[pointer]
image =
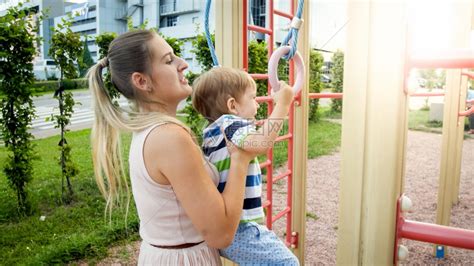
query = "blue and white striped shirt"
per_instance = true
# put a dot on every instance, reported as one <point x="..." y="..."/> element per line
<point x="214" y="147"/>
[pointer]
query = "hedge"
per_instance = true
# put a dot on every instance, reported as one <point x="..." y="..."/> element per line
<point x="52" y="85"/>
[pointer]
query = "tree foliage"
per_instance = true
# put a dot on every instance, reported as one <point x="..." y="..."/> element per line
<point x="85" y="61"/>
<point x="434" y="78"/>
<point x="202" y="52"/>
<point x="65" y="49"/>
<point x="258" y="63"/>
<point x="337" y="79"/>
<point x="103" y="40"/>
<point x="316" y="61"/>
<point x="17" y="51"/>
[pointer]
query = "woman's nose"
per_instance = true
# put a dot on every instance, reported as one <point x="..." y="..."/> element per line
<point x="183" y="65"/>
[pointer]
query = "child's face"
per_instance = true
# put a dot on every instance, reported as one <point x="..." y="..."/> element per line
<point x="246" y="106"/>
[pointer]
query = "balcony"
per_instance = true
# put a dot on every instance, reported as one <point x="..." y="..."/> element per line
<point x="179" y="7"/>
<point x="126" y="12"/>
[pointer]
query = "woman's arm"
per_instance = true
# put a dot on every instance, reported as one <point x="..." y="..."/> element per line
<point x="170" y="153"/>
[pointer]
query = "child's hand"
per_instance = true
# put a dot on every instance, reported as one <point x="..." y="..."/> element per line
<point x="284" y="96"/>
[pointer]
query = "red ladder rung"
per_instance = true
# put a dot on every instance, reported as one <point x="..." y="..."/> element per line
<point x="259" y="76"/>
<point x="427" y="94"/>
<point x="284" y="137"/>
<point x="265" y="164"/>
<point x="283" y="14"/>
<point x="279" y="215"/>
<point x="260" y="29"/>
<point x="468" y="74"/>
<point x="437" y="234"/>
<point x="282" y="175"/>
<point x="325" y="95"/>
<point x="266" y="99"/>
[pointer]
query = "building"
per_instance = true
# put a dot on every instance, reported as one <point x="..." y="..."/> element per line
<point x="36" y="7"/>
<point x="181" y="19"/>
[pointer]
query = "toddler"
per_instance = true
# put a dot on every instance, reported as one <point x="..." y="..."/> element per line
<point x="226" y="98"/>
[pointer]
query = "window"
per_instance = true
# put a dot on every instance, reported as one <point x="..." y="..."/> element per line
<point x="258" y="10"/>
<point x="87" y="32"/>
<point x="172" y="21"/>
<point x="84" y="21"/>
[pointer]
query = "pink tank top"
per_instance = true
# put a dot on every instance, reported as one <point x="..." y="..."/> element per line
<point x="162" y="218"/>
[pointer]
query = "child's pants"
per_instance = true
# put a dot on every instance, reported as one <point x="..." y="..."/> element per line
<point x="254" y="244"/>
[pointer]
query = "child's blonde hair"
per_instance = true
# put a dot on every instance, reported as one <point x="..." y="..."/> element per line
<point x="212" y="90"/>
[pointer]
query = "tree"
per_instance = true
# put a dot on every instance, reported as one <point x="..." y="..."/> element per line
<point x="65" y="49"/>
<point x="86" y="60"/>
<point x="103" y="40"/>
<point x="202" y="52"/>
<point x="316" y="61"/>
<point x="17" y="51"/>
<point x="258" y="63"/>
<point x="337" y="79"/>
<point x="430" y="76"/>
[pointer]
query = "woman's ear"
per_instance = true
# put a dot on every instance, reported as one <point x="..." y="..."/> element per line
<point x="232" y="105"/>
<point x="140" y="82"/>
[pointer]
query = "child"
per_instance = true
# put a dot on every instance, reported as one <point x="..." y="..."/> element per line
<point x="470" y="98"/>
<point x="226" y="98"/>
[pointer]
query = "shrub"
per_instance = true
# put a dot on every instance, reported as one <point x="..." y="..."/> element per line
<point x="52" y="86"/>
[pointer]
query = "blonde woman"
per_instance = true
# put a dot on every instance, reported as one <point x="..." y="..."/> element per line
<point x="183" y="217"/>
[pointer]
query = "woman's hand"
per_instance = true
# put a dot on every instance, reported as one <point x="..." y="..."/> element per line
<point x="237" y="154"/>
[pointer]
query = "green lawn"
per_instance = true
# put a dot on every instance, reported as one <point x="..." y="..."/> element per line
<point x="419" y="120"/>
<point x="68" y="232"/>
<point x="79" y="230"/>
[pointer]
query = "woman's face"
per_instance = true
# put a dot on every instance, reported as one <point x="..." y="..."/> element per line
<point x="169" y="84"/>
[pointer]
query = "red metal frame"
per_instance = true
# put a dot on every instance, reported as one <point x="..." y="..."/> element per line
<point x="291" y="237"/>
<point x="458" y="58"/>
<point x="430" y="233"/>
<point x="268" y="164"/>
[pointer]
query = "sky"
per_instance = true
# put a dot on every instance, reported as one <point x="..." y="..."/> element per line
<point x="328" y="24"/>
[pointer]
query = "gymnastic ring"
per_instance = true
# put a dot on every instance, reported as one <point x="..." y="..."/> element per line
<point x="273" y="69"/>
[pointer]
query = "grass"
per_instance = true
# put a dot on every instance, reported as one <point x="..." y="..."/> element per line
<point x="324" y="138"/>
<point x="79" y="230"/>
<point x="312" y="216"/>
<point x="69" y="232"/>
<point x="419" y="120"/>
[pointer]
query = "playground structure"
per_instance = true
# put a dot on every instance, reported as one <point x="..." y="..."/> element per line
<point x="378" y="60"/>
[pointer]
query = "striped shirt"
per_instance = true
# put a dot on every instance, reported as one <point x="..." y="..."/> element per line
<point x="214" y="147"/>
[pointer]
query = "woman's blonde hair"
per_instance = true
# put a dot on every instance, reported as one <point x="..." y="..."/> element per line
<point x="127" y="54"/>
<point x="212" y="90"/>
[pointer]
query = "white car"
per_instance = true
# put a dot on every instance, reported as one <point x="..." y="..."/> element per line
<point x="45" y="69"/>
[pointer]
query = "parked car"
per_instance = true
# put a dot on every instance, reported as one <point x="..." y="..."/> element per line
<point x="45" y="69"/>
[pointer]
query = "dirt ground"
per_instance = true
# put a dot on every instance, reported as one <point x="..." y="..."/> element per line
<point x="421" y="185"/>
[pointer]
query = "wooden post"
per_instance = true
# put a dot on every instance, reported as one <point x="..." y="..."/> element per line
<point x="229" y="26"/>
<point x="374" y="132"/>
<point x="453" y="125"/>
<point x="229" y="41"/>
<point x="460" y="140"/>
<point x="300" y="141"/>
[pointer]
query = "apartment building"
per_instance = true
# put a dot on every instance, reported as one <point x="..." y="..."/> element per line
<point x="181" y="19"/>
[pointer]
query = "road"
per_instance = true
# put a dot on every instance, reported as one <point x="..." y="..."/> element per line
<point x="82" y="118"/>
<point x="46" y="105"/>
<point x="83" y="113"/>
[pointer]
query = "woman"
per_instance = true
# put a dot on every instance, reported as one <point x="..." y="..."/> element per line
<point x="183" y="217"/>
